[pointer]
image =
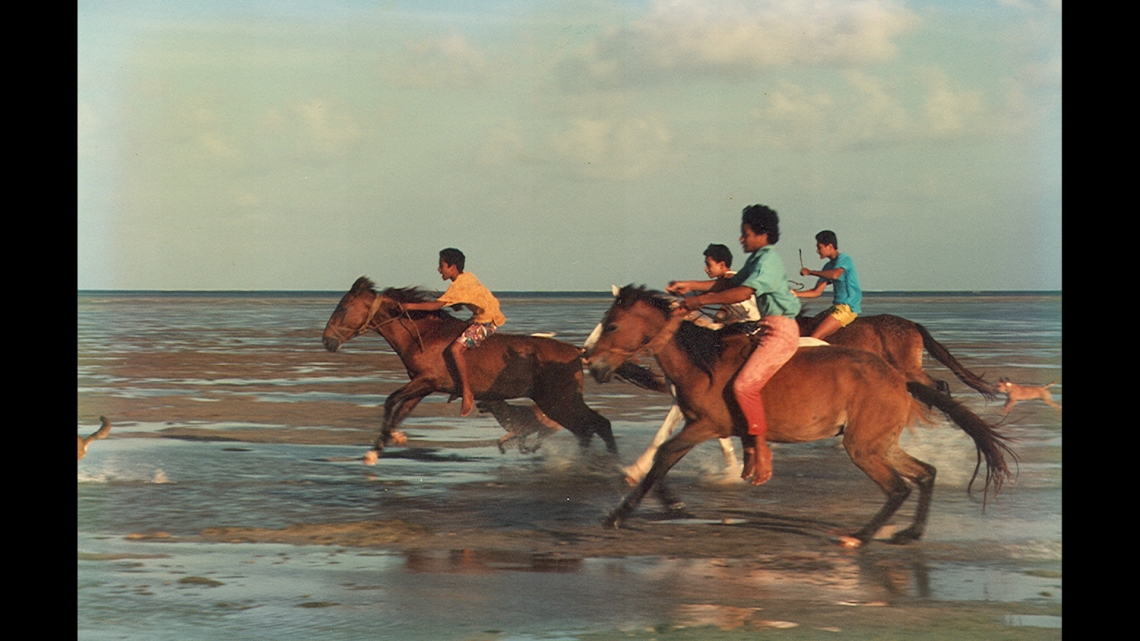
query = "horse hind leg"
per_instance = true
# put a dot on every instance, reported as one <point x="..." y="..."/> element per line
<point x="580" y="419"/>
<point x="922" y="475"/>
<point x="891" y="471"/>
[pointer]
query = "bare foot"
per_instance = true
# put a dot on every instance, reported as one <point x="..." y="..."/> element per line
<point x="468" y="404"/>
<point x="749" y="469"/>
<point x="762" y="473"/>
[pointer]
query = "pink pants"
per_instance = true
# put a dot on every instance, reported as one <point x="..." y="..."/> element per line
<point x="778" y="344"/>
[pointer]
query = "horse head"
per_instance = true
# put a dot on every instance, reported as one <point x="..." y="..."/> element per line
<point x="636" y="316"/>
<point x="353" y="314"/>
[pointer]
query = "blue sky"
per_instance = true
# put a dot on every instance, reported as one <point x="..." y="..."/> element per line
<point x="564" y="146"/>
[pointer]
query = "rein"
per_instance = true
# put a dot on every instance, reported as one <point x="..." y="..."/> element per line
<point x="367" y="325"/>
<point x="655" y="342"/>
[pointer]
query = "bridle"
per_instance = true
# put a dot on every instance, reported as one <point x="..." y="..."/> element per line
<point x="368" y="323"/>
<point x="650" y="344"/>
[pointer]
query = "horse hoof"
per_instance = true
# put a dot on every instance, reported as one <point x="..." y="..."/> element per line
<point x="903" y="537"/>
<point x="850" y="542"/>
<point x="371" y="457"/>
<point x="397" y="438"/>
<point x="613" y="521"/>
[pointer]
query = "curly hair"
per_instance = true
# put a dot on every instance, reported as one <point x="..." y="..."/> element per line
<point x="762" y="219"/>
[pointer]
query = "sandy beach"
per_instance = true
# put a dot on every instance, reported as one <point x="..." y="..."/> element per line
<point x="738" y="559"/>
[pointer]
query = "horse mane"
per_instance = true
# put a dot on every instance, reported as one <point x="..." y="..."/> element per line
<point x="700" y="344"/>
<point x="629" y="295"/>
<point x="407" y="294"/>
<point x="398" y="295"/>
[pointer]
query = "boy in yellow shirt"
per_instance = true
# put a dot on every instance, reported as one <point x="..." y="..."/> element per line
<point x="465" y="290"/>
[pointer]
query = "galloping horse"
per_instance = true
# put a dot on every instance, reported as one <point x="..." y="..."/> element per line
<point x="505" y="366"/>
<point x="897" y="340"/>
<point x="900" y="342"/>
<point x="821" y="392"/>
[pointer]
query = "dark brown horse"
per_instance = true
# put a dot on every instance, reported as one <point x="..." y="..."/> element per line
<point x="820" y="393"/>
<point x="505" y="366"/>
<point x="900" y="342"/>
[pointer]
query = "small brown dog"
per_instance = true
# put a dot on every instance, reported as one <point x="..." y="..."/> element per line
<point x="1015" y="393"/>
<point x="100" y="433"/>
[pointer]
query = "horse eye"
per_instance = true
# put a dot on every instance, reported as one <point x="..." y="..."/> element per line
<point x="610" y="328"/>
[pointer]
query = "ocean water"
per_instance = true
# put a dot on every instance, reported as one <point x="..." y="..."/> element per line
<point x="139" y="362"/>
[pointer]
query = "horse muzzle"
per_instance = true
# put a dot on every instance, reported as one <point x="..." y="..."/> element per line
<point x="331" y="343"/>
<point x="600" y="369"/>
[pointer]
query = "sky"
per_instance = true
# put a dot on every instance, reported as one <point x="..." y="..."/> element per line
<point x="261" y="145"/>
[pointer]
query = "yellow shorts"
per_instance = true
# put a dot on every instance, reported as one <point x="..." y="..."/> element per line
<point x="843" y="314"/>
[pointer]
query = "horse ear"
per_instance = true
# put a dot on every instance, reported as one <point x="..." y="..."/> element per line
<point x="615" y="289"/>
<point x="361" y="284"/>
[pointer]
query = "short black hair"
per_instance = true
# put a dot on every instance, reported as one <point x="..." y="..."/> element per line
<point x="827" y="237"/>
<point x="762" y="219"/>
<point x="719" y="253"/>
<point x="453" y="256"/>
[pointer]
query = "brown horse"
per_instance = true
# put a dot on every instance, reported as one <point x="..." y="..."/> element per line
<point x="505" y="366"/>
<point x="820" y="393"/>
<point x="900" y="342"/>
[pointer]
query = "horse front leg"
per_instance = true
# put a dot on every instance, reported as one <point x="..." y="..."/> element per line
<point x="637" y="470"/>
<point x="396" y="407"/>
<point x="668" y="455"/>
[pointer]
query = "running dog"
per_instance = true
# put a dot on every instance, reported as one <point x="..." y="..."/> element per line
<point x="102" y="432"/>
<point x="1015" y="393"/>
<point x="520" y="422"/>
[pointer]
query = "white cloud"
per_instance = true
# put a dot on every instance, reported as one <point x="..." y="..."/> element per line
<point x="870" y="111"/>
<point x="949" y="111"/>
<point x="450" y="62"/>
<point x="614" y="148"/>
<point x="328" y="131"/>
<point x="735" y="38"/>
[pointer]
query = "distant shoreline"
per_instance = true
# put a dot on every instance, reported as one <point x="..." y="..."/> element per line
<point x="516" y="295"/>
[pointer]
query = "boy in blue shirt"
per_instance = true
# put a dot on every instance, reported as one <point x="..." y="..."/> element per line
<point x="839" y="271"/>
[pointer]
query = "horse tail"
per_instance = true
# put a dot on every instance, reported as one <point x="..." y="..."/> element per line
<point x="942" y="355"/>
<point x="990" y="445"/>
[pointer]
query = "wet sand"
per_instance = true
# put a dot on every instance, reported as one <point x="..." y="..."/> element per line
<point x="732" y="546"/>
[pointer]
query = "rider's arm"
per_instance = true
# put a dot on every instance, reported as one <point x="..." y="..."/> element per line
<point x="827" y="274"/>
<point x="727" y="296"/>
<point x="812" y="293"/>
<point x="682" y="287"/>
<point x="425" y="306"/>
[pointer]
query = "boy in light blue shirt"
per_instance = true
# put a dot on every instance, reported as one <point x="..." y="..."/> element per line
<point x="839" y="272"/>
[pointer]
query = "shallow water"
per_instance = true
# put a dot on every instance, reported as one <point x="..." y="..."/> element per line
<point x="228" y="413"/>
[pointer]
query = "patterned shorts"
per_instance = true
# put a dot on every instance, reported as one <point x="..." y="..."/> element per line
<point x="843" y="314"/>
<point x="475" y="334"/>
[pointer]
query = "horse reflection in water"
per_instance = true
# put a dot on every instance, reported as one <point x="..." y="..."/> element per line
<point x="505" y="366"/>
<point x="820" y="393"/>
